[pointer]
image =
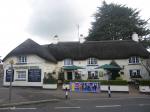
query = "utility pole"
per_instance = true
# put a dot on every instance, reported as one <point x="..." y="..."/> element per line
<point x="11" y="77"/>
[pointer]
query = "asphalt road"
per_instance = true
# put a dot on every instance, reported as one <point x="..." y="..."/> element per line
<point x="88" y="105"/>
<point x="93" y="104"/>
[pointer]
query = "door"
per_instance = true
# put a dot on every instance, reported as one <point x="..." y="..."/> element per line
<point x="69" y="75"/>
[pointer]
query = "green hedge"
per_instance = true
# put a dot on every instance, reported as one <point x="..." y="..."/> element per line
<point x="90" y="80"/>
<point x="144" y="82"/>
<point x="49" y="81"/>
<point x="114" y="82"/>
<point x="102" y="82"/>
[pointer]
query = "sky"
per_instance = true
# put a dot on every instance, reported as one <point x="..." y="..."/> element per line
<point x="41" y="20"/>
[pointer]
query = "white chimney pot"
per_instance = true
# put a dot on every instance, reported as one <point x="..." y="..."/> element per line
<point x="135" y="37"/>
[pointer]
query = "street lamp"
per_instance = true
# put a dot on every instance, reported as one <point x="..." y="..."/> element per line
<point x="11" y="62"/>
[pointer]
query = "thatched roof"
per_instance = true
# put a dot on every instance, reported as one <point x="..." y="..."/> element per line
<point x="31" y="47"/>
<point x="121" y="49"/>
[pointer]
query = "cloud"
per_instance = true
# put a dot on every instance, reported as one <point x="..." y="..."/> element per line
<point x="51" y="17"/>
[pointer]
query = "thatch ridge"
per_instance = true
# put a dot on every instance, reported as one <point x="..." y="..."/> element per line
<point x="31" y="47"/>
<point x="103" y="50"/>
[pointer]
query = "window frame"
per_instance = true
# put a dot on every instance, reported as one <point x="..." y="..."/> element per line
<point x="92" y="61"/>
<point x="22" y="59"/>
<point x="134" y="72"/>
<point x="68" y="62"/>
<point x="93" y="75"/>
<point x="20" y="76"/>
<point x="134" y="60"/>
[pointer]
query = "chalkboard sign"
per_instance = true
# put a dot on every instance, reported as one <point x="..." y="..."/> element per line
<point x="34" y="75"/>
<point x="9" y="75"/>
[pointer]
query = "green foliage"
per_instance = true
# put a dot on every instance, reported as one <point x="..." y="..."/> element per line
<point x="50" y="79"/>
<point x="89" y="80"/>
<point x="145" y="43"/>
<point x="114" y="82"/>
<point x="114" y="22"/>
<point x="119" y="78"/>
<point x="144" y="82"/>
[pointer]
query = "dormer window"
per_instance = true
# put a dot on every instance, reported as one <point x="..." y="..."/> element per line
<point x="22" y="59"/>
<point x="134" y="60"/>
<point x="68" y="62"/>
<point x="92" y="61"/>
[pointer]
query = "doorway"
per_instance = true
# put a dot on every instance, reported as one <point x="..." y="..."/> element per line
<point x="69" y="75"/>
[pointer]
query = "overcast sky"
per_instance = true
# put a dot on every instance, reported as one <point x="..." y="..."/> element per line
<point x="40" y="20"/>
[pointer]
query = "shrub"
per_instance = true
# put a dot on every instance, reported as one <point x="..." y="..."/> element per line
<point x="50" y="79"/>
<point x="114" y="82"/>
<point x="89" y="80"/>
<point x="66" y="81"/>
<point x="119" y="78"/>
<point x="144" y="82"/>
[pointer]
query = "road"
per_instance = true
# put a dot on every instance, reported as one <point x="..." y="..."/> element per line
<point x="79" y="102"/>
<point x="140" y="104"/>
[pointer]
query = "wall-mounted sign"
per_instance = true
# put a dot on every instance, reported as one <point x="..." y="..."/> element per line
<point x="34" y="75"/>
<point x="26" y="67"/>
<point x="9" y="75"/>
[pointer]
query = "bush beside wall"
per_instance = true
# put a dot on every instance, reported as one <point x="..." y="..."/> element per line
<point x="144" y="82"/>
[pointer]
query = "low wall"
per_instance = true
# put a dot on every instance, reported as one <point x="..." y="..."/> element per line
<point x="23" y="83"/>
<point x="49" y="86"/>
<point x="144" y="89"/>
<point x="118" y="88"/>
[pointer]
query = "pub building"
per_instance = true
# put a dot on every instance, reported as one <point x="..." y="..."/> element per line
<point x="76" y="60"/>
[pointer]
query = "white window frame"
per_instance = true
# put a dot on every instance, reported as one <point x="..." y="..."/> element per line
<point x="22" y="59"/>
<point x="134" y="60"/>
<point x="92" y="61"/>
<point x="134" y="72"/>
<point x="21" y="75"/>
<point x="68" y="62"/>
<point x="93" y="75"/>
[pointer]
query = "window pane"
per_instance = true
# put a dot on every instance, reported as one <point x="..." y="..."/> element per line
<point x="21" y="74"/>
<point x="138" y="72"/>
<point x="137" y="60"/>
<point x="134" y="60"/>
<point x="68" y="62"/>
<point x="130" y="72"/>
<point x="22" y="59"/>
<point x="92" y="61"/>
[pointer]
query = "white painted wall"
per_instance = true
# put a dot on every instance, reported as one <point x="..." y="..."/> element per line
<point x="124" y="63"/>
<point x="144" y="89"/>
<point x="115" y="88"/>
<point x="46" y="67"/>
<point x="32" y="60"/>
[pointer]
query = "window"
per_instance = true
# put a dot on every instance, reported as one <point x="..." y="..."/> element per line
<point x="68" y="62"/>
<point x="136" y="73"/>
<point x="21" y="75"/>
<point x="92" y="61"/>
<point x="89" y="75"/>
<point x="22" y="59"/>
<point x="134" y="60"/>
<point x="92" y="74"/>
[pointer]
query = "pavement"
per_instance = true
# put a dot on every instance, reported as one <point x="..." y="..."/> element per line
<point x="32" y="95"/>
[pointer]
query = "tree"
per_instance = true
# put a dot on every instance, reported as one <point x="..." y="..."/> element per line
<point x="114" y="22"/>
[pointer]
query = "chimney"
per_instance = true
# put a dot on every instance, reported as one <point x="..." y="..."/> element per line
<point x="81" y="38"/>
<point x="55" y="39"/>
<point x="135" y="37"/>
